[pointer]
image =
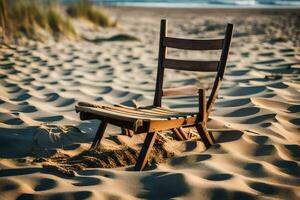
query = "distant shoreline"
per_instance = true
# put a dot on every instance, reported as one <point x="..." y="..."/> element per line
<point x="197" y="6"/>
<point x="231" y="10"/>
<point x="193" y="6"/>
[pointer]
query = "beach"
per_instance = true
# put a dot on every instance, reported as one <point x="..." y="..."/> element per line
<point x="255" y="121"/>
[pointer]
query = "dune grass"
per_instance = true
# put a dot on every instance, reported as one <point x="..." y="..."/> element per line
<point x="85" y="9"/>
<point x="26" y="17"/>
<point x="33" y="19"/>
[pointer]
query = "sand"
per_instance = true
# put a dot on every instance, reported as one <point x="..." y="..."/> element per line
<point x="256" y="120"/>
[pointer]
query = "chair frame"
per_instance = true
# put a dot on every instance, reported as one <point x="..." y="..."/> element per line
<point x="131" y="125"/>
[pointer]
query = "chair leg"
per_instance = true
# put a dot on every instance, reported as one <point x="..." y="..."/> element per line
<point x="145" y="151"/>
<point x="124" y="131"/>
<point x="182" y="132"/>
<point x="204" y="134"/>
<point x="99" y="135"/>
<point x="127" y="132"/>
<point x="179" y="132"/>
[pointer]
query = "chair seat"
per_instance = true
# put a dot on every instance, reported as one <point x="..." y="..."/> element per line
<point x="137" y="116"/>
<point x="143" y="113"/>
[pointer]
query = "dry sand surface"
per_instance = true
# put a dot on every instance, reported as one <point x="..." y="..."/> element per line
<point x="43" y="144"/>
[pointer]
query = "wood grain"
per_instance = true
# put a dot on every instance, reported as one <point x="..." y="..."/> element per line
<point x="189" y="44"/>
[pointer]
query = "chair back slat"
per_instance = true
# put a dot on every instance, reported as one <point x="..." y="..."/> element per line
<point x="187" y="90"/>
<point x="189" y="44"/>
<point x="191" y="65"/>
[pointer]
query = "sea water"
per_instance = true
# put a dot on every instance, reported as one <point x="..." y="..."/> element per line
<point x="199" y="3"/>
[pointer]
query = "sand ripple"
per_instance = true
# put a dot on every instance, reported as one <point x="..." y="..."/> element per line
<point x="257" y="157"/>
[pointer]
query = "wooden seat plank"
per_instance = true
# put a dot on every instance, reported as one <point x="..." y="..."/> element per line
<point x="125" y="108"/>
<point x="137" y="114"/>
<point x="151" y="109"/>
<point x="157" y="112"/>
<point x="144" y="113"/>
<point x="179" y="112"/>
<point x="123" y="115"/>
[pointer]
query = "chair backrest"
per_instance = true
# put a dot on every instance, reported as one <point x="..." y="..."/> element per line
<point x="203" y="66"/>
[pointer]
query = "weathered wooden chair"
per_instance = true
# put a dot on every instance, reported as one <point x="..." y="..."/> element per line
<point x="155" y="118"/>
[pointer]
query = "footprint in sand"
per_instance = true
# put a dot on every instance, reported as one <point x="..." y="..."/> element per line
<point x="45" y="184"/>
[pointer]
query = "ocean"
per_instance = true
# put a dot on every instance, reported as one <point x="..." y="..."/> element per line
<point x="199" y="3"/>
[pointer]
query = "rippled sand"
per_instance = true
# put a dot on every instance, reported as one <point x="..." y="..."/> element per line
<point x="43" y="144"/>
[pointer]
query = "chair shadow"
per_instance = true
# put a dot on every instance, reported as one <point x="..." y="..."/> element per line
<point x="30" y="170"/>
<point x="227" y="136"/>
<point x="161" y="185"/>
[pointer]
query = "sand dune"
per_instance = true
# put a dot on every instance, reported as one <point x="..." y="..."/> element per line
<point x="256" y="120"/>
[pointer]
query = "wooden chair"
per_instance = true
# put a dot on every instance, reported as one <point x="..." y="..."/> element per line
<point x="155" y="118"/>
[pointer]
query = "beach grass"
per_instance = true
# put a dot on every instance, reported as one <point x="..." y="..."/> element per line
<point x="33" y="18"/>
<point x="27" y="18"/>
<point x="85" y="9"/>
